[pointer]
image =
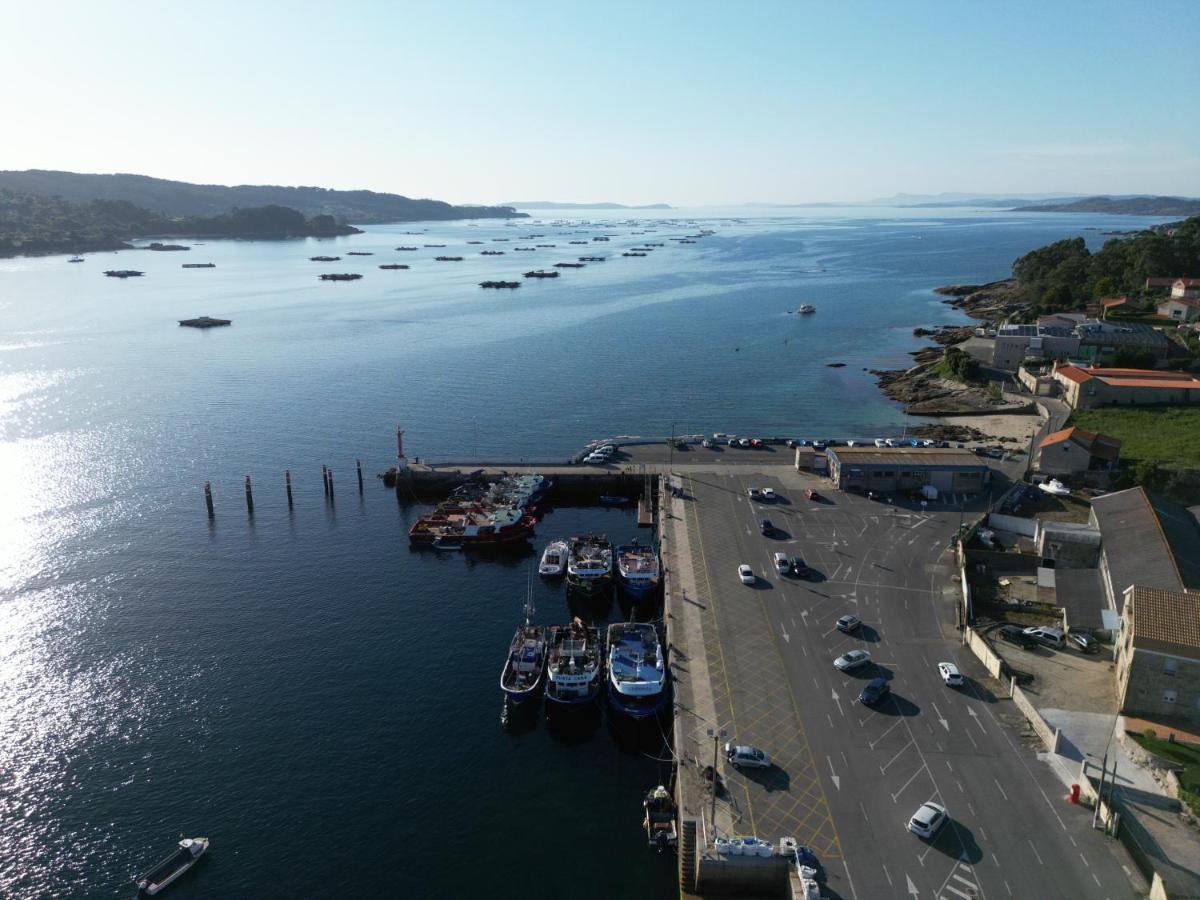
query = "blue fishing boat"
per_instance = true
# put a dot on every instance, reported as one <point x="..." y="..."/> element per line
<point x="638" y="569"/>
<point x="637" y="671"/>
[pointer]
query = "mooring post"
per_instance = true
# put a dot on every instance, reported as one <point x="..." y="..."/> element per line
<point x="358" y="468"/>
<point x="287" y="480"/>
<point x="208" y="498"/>
<point x="329" y="483"/>
<point x="325" y="480"/>
<point x="249" y="497"/>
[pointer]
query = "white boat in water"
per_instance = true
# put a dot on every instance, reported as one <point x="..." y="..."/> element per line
<point x="806" y="309"/>
<point x="185" y="856"/>
<point x="554" y="559"/>
<point x="637" y="672"/>
<point x="590" y="563"/>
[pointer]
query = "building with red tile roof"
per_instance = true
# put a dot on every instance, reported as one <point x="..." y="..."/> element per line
<point x="1086" y="388"/>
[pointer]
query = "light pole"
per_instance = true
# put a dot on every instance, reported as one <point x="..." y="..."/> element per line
<point x="671" y="453"/>
<point x="716" y="734"/>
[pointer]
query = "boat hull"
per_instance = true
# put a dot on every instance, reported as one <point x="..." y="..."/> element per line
<point x="638" y="587"/>
<point x="641" y="707"/>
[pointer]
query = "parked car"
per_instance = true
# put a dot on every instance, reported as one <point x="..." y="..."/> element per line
<point x="595" y="458"/>
<point x="799" y="567"/>
<point x="876" y="690"/>
<point x="950" y="674"/>
<point x="754" y="493"/>
<point x="1051" y="637"/>
<point x="811" y="494"/>
<point x="706" y="443"/>
<point x="848" y="623"/>
<point x="782" y="566"/>
<point x="874" y="495"/>
<point x="732" y="442"/>
<point x="765" y="526"/>
<point x="852" y="660"/>
<point x="926" y="821"/>
<point x="1014" y="634"/>
<point x="744" y="442"/>
<point x="1084" y="642"/>
<point x="880" y="442"/>
<point x="746" y="574"/>
<point x="756" y="443"/>
<point x="745" y="756"/>
<point x="769" y="495"/>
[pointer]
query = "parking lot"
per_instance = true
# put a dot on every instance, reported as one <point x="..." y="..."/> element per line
<point x="846" y="777"/>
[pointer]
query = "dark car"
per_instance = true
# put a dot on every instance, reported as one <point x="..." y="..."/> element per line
<point x="799" y="567"/>
<point x="876" y="690"/>
<point x="1014" y="634"/>
<point x="765" y="526"/>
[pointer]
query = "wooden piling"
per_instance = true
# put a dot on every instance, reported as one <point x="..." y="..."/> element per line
<point x="208" y="498"/>
<point x="249" y="497"/>
<point x="358" y="468"/>
<point x="287" y="480"/>
<point x="325" y="480"/>
<point x="329" y="483"/>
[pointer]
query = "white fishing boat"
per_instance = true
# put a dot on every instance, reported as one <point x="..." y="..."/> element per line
<point x="554" y="559"/>
<point x="637" y="672"/>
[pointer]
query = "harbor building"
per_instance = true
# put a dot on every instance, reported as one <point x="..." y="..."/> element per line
<point x="949" y="470"/>
<point x="1086" y="388"/>
<point x="1158" y="654"/>
<point x="1074" y="450"/>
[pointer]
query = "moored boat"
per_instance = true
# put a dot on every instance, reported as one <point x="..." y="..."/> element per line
<point x="589" y="563"/>
<point x="554" y="559"/>
<point x="637" y="568"/>
<point x="637" y="672"/>
<point x="806" y="309"/>
<point x="521" y="678"/>
<point x="660" y="820"/>
<point x="188" y="851"/>
<point x="575" y="663"/>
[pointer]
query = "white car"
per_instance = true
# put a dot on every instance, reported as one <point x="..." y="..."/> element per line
<point x="852" y="660"/>
<point x="782" y="566"/>
<point x="743" y="442"/>
<point x="926" y="821"/>
<point x="891" y="442"/>
<point x="950" y="674"/>
<point x="746" y="574"/>
<point x="706" y="443"/>
<point x="848" y="623"/>
<point x="880" y="442"/>
<point x="594" y="458"/>
<point x="769" y="495"/>
<point x="745" y="756"/>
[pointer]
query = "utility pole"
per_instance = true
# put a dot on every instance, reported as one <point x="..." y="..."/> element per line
<point x="671" y="454"/>
<point x="716" y="734"/>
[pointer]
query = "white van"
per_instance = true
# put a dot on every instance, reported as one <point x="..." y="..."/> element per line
<point x="1051" y="637"/>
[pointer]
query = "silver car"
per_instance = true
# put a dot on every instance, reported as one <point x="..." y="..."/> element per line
<point x="852" y="660"/>
<point x="926" y="821"/>
<point x="745" y="756"/>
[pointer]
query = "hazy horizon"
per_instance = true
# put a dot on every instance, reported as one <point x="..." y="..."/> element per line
<point x="695" y="106"/>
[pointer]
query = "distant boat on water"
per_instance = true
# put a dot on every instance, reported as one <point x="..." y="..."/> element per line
<point x="166" y="872"/>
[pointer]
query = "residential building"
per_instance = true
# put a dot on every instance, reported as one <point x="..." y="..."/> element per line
<point x="951" y="471"/>
<point x="1074" y="450"/>
<point x="1159" y="283"/>
<point x="1158" y="654"/>
<point x="1086" y="388"/>
<point x="1180" y="309"/>
<point x="1100" y="341"/>
<point x="1185" y="289"/>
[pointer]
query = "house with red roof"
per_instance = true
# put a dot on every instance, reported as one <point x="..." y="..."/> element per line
<point x="1087" y="388"/>
<point x="1180" y="309"/>
<point x="1074" y="450"/>
<point x="1185" y="289"/>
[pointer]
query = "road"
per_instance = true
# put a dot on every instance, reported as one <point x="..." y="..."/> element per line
<point x="847" y="777"/>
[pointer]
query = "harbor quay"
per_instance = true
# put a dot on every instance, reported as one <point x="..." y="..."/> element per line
<point x="752" y="662"/>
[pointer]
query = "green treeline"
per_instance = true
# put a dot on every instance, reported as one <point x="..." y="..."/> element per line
<point x="1065" y="276"/>
<point x="36" y="224"/>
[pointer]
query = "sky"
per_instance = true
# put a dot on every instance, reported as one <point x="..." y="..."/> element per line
<point x="689" y="103"/>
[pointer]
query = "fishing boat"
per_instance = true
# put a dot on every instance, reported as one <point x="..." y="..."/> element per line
<point x="637" y="672"/>
<point x="521" y="678"/>
<point x="806" y="309"/>
<point x="660" y="820"/>
<point x="183" y="858"/>
<point x="554" y="559"/>
<point x="454" y="528"/>
<point x="576" y="659"/>
<point x="589" y="563"/>
<point x="637" y="568"/>
<point x="75" y="259"/>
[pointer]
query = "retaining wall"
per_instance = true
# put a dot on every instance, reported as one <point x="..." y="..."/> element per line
<point x="986" y="655"/>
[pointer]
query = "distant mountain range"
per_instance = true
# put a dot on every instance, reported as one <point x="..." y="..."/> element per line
<point x="549" y="204"/>
<point x="1128" y="206"/>
<point x="182" y="199"/>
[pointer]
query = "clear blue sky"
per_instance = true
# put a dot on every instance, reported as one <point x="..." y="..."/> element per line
<point x="690" y="103"/>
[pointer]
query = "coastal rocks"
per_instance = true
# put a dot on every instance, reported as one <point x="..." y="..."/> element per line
<point x="123" y="273"/>
<point x="924" y="393"/>
<point x="942" y="432"/>
<point x="993" y="302"/>
<point x="167" y="247"/>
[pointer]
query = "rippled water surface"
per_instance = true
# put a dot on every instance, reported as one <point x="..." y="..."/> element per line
<point x="317" y="699"/>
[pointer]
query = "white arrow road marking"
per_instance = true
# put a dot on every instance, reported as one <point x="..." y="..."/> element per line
<point x="941" y="718"/>
<point x="839" y="703"/>
<point x="837" y="782"/>
<point x="785" y="634"/>
<point x="912" y="888"/>
<point x="975" y="716"/>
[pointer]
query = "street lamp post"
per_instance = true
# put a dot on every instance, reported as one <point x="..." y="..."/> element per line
<point x="671" y="452"/>
<point x="716" y="734"/>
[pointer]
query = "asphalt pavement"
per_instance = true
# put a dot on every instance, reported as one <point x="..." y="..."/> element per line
<point x="847" y="777"/>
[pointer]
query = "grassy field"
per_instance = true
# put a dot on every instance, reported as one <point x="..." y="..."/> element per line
<point x="1186" y="755"/>
<point x="1169" y="435"/>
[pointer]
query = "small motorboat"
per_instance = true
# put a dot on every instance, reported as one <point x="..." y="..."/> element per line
<point x="554" y="559"/>
<point x="75" y="259"/>
<point x="185" y="856"/>
<point x="1055" y="488"/>
<point x="806" y="309"/>
<point x="660" y="820"/>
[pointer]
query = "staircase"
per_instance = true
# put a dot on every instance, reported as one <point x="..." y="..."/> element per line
<point x="687" y="857"/>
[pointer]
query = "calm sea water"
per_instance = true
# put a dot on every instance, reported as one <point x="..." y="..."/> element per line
<point x="303" y="689"/>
